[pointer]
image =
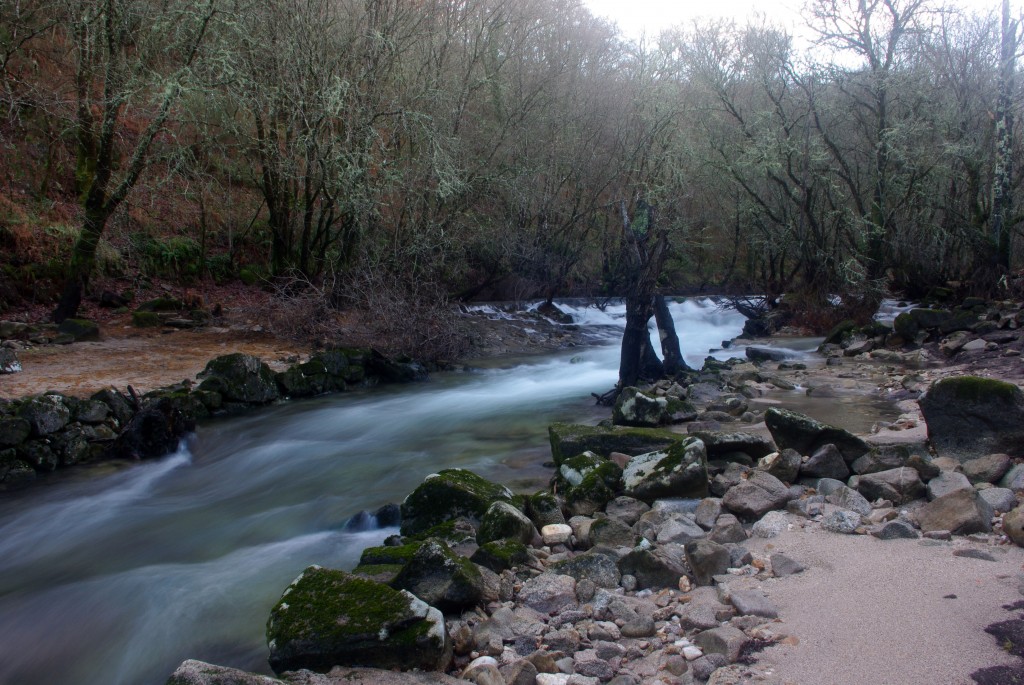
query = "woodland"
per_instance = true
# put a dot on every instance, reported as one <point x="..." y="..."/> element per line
<point x="398" y="156"/>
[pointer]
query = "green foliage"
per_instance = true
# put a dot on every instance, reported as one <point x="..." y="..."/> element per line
<point x="178" y="257"/>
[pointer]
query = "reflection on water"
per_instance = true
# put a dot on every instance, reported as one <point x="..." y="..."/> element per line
<point x="116" y="579"/>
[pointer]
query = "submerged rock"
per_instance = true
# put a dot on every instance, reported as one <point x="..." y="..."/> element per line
<point x="328" y="618"/>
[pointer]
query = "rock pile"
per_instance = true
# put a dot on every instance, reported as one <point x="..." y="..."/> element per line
<point x="632" y="572"/>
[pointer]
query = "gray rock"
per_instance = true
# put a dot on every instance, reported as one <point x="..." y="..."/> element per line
<point x="970" y="417"/>
<point x="756" y="496"/>
<point x="961" y="512"/>
<point x="679" y="471"/>
<point x="45" y="414"/>
<point x="483" y="671"/>
<point x="707" y="512"/>
<point x="192" y="672"/>
<point x="738" y="555"/>
<point x="13" y="431"/>
<point x="1014" y="478"/>
<point x="519" y="672"/>
<point x="655" y="568"/>
<point x="593" y="566"/>
<point x="240" y="378"/>
<point x="826" y="462"/>
<point x="611" y="532"/>
<point x="1013" y="526"/>
<point x="726" y="640"/>
<point x="701" y="616"/>
<point x="882" y="458"/>
<point x="841" y="521"/>
<point x="706" y="665"/>
<point x="544" y="509"/>
<point x="1000" y="499"/>
<point x="733" y="475"/>
<point x="987" y="469"/>
<point x="728" y="529"/>
<point x="565" y="639"/>
<point x="784" y="465"/>
<point x="924" y="465"/>
<point x="626" y="509"/>
<point x="895" y="530"/>
<point x="707" y="559"/>
<point x="770" y="525"/>
<point x="826" y="486"/>
<point x="586" y="662"/>
<point x="947" y="482"/>
<point x="719" y="444"/>
<point x="805" y="435"/>
<point x="679" y="529"/>
<point x="327" y="618"/>
<point x="848" y="498"/>
<point x="783" y="565"/>
<point x="548" y="593"/>
<point x="636" y="408"/>
<point x="899" y="486"/>
<point x="752" y="603"/>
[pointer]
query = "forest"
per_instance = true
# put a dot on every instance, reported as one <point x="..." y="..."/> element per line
<point x="398" y="156"/>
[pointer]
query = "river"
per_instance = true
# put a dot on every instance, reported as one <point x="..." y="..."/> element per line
<point x="116" y="575"/>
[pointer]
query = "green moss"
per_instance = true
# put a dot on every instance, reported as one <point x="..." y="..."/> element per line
<point x="977" y="389"/>
<point x="142" y="319"/>
<point x="568" y="440"/>
<point x="388" y="555"/>
<point x="500" y="555"/>
<point x="447" y="495"/>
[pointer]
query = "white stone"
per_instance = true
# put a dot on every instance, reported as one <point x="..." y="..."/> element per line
<point x="556" y="533"/>
<point x="552" y="679"/>
<point x="691" y="652"/>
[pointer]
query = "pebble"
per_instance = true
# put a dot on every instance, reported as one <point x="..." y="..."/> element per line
<point x="691" y="652"/>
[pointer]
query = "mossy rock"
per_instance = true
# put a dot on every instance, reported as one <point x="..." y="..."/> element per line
<point x="503" y="521"/>
<point x="970" y="417"/>
<point x="588" y="482"/>
<point x="328" y="618"/>
<point x="634" y="407"/>
<point x="840" y="332"/>
<point x="14" y="473"/>
<point x="381" y="573"/>
<point x="141" y="319"/>
<point x="543" y="508"/>
<point x="501" y="555"/>
<point x="679" y="471"/>
<point x="457" y="531"/>
<point x="38" y="454"/>
<point x="80" y="329"/>
<point x="447" y="495"/>
<point x="569" y="439"/>
<point x="440" y="577"/>
<point x="45" y="414"/>
<point x="70" y="445"/>
<point x="120" y="407"/>
<point x="240" y="378"/>
<point x="384" y="554"/>
<point x="296" y="382"/>
<point x="13" y="431"/>
<point x="720" y="443"/>
<point x="806" y="435"/>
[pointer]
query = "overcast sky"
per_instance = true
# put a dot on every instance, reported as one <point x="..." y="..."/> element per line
<point x="636" y="16"/>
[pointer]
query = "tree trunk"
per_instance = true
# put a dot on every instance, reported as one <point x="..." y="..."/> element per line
<point x="670" y="352"/>
<point x="83" y="260"/>
<point x="1002" y="183"/>
<point x="636" y="341"/>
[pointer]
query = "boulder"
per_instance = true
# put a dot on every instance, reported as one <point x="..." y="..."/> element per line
<point x="588" y="482"/>
<point x="154" y="431"/>
<point x="9" y="361"/>
<point x="680" y="529"/>
<point x="882" y="458"/>
<point x="784" y="465"/>
<point x="626" y="509"/>
<point x="707" y="559"/>
<point x="636" y="408"/>
<point x="240" y="378"/>
<point x="961" y="512"/>
<point x="330" y="618"/>
<point x="548" y="593"/>
<point x="770" y="525"/>
<point x="568" y="440"/>
<point x="841" y="521"/>
<point x="796" y="431"/>
<point x="13" y="431"/>
<point x="899" y="486"/>
<point x="1000" y="499"/>
<point x="717" y="444"/>
<point x="441" y="578"/>
<point x="970" y="417"/>
<point x="502" y="521"/>
<point x="987" y="469"/>
<point x="707" y="512"/>
<point x="1013" y="525"/>
<point x="756" y="496"/>
<point x="610" y="532"/>
<point x="447" y="495"/>
<point x="45" y="414"/>
<point x="727" y="641"/>
<point x="679" y="471"/>
<point x="79" y="329"/>
<point x="593" y="566"/>
<point x="544" y="509"/>
<point x="826" y="462"/>
<point x="659" y="567"/>
<point x="848" y="498"/>
<point x="502" y="554"/>
<point x="192" y="672"/>
<point x="728" y="529"/>
<point x="896" y="530"/>
<point x="947" y="482"/>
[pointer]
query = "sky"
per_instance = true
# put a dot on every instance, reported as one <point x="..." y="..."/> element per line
<point x="636" y="16"/>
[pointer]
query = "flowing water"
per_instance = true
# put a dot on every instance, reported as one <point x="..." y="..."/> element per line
<point x="115" y="578"/>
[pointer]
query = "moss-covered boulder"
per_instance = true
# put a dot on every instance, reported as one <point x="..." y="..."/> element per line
<point x="79" y="329"/>
<point x="14" y="430"/>
<point x="679" y="471"/>
<point x="800" y="432"/>
<point x="588" y="482"/>
<point x="447" y="495"/>
<point x="38" y="454"/>
<point x="440" y="577"/>
<point x="840" y="332"/>
<point x="141" y="319"/>
<point x="970" y="417"/>
<point x="500" y="555"/>
<point x="634" y="407"/>
<point x="240" y="378"/>
<point x="570" y="439"/>
<point x="502" y="521"/>
<point x="45" y="414"/>
<point x="543" y="508"/>
<point x="328" y="618"/>
<point x="120" y="408"/>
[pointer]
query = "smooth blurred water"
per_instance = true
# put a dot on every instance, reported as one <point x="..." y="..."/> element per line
<point x="115" y="579"/>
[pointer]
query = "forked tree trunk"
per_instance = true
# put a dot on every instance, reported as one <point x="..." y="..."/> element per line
<point x="670" y="352"/>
